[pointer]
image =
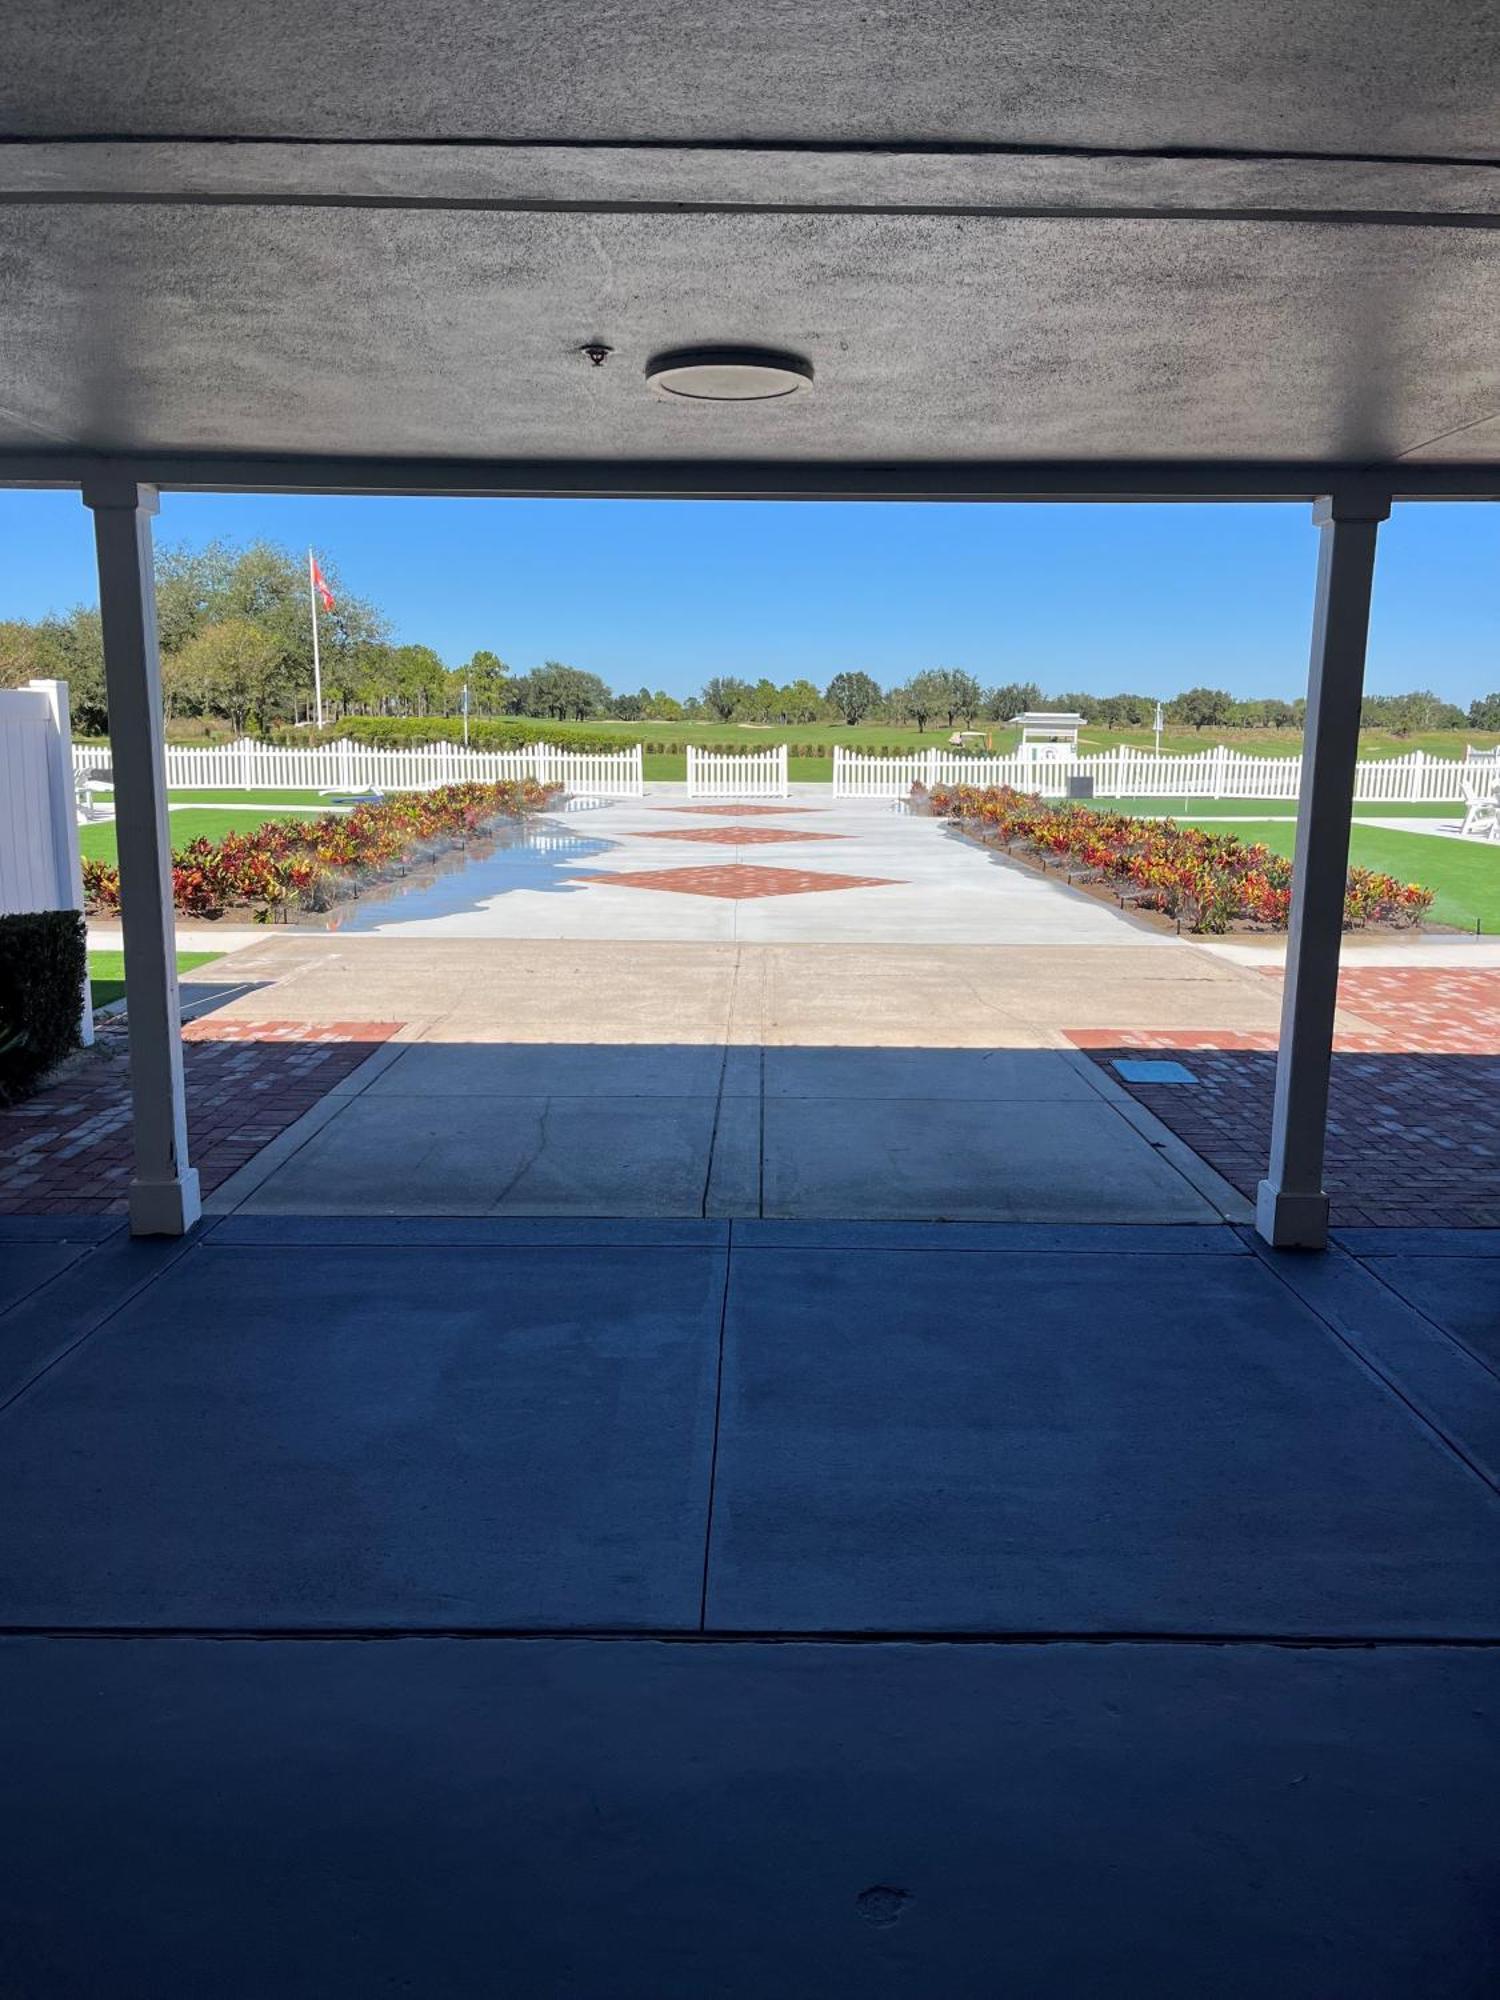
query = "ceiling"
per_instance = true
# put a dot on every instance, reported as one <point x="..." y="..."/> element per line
<point x="1066" y="230"/>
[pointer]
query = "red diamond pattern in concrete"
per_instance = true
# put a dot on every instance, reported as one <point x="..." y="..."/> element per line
<point x="736" y="836"/>
<point x="1412" y="1139"/>
<point x="67" y="1151"/>
<point x="737" y="881"/>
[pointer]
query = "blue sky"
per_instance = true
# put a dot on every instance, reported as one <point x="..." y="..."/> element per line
<point x="1149" y="598"/>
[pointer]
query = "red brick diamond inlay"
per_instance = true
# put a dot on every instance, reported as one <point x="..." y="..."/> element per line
<point x="738" y="881"/>
<point x="736" y="836"/>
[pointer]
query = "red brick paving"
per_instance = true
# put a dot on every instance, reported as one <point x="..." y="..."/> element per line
<point x="1413" y="1138"/>
<point x="67" y="1151"/>
<point x="735" y="836"/>
<point x="737" y="881"/>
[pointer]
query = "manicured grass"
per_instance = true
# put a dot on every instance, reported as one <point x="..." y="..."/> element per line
<point x="107" y="971"/>
<point x="1465" y="875"/>
<point x="1195" y="808"/>
<point x="97" y="843"/>
<point x="229" y="795"/>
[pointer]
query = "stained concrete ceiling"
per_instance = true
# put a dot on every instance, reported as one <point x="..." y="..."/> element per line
<point x="1061" y="230"/>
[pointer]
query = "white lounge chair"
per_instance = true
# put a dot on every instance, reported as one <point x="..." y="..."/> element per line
<point x="88" y="786"/>
<point x="1481" y="809"/>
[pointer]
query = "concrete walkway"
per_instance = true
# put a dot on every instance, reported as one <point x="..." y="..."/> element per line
<point x="660" y="1610"/>
<point x="534" y="1078"/>
<point x="665" y="1008"/>
<point x="808" y="872"/>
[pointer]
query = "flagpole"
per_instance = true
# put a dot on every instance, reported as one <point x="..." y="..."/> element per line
<point x="312" y="599"/>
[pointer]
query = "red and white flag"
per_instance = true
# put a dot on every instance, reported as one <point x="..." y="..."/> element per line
<point x="325" y="595"/>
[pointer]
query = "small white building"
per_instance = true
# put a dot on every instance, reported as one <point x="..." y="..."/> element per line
<point x="1047" y="737"/>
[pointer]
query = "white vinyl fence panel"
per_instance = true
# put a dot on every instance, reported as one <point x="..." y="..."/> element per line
<point x="39" y="863"/>
<point x="737" y="774"/>
<point x="1127" y="773"/>
<point x="352" y="767"/>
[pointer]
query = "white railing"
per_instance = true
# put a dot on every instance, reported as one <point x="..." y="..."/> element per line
<point x="737" y="774"/>
<point x="1128" y="773"/>
<point x="353" y="767"/>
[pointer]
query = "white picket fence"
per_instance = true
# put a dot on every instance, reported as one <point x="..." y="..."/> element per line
<point x="1125" y="772"/>
<point x="1128" y="773"/>
<point x="355" y="767"/>
<point x="737" y="774"/>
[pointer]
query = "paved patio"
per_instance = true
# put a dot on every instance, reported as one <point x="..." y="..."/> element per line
<point x="812" y="870"/>
<point x="1411" y="1136"/>
<point x="617" y="1078"/>
<point x="645" y="1609"/>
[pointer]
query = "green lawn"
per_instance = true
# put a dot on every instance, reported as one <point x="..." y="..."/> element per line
<point x="107" y="971"/>
<point x="1260" y="809"/>
<point x="1465" y="875"/>
<point x="97" y="843"/>
<point x="229" y="795"/>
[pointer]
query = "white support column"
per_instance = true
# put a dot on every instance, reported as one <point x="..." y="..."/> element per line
<point x="164" y="1192"/>
<point x="1291" y="1210"/>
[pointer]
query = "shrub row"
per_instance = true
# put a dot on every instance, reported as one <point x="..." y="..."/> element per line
<point x="42" y="960"/>
<point x="310" y="864"/>
<point x="1208" y="881"/>
<point x="405" y="732"/>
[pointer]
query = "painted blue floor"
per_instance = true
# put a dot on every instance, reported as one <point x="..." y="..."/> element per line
<point x="954" y="1609"/>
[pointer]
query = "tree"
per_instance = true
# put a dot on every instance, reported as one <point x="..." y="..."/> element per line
<point x="1013" y="698"/>
<point x="962" y="696"/>
<point x="265" y="586"/>
<point x="1405" y="714"/>
<point x="853" y="695"/>
<point x="1125" y="711"/>
<point x="1485" y="713"/>
<point x="726" y="697"/>
<point x="1202" y="708"/>
<point x="800" y="702"/>
<point x="486" y="675"/>
<point x="24" y="654"/>
<point x="924" y="695"/>
<point x="1086" y="705"/>
<point x="564" y="693"/>
<point x="233" y="668"/>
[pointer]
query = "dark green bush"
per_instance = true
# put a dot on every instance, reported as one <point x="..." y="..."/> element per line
<point x="42" y="959"/>
<point x="400" y="732"/>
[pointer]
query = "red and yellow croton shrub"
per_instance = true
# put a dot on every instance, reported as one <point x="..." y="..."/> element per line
<point x="1208" y="881"/>
<point x="309" y="863"/>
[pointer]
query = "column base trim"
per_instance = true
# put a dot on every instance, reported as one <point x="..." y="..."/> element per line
<point x="165" y="1208"/>
<point x="1291" y="1221"/>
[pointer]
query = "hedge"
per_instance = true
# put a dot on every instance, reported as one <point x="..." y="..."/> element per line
<point x="403" y="732"/>
<point x="43" y="957"/>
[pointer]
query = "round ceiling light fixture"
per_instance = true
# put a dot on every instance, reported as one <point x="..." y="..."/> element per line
<point x="728" y="374"/>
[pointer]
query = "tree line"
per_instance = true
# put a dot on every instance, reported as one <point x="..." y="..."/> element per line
<point x="236" y="644"/>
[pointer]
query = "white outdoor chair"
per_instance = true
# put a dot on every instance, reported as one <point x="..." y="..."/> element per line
<point x="87" y="785"/>
<point x="1481" y="809"/>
